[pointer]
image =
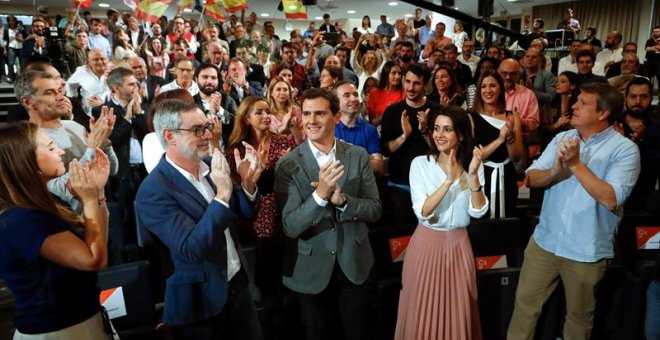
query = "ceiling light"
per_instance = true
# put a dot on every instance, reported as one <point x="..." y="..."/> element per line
<point x="408" y="15"/>
<point x="456" y="8"/>
<point x="350" y="11"/>
<point x="104" y="5"/>
<point x="318" y="18"/>
<point x="264" y="15"/>
<point x="393" y="3"/>
<point x="187" y="10"/>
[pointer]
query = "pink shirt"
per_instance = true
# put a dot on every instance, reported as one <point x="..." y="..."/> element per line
<point x="524" y="101"/>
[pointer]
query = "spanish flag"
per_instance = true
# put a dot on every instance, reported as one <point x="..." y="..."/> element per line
<point x="186" y="4"/>
<point x="294" y="9"/>
<point x="81" y="3"/>
<point x="232" y="6"/>
<point x="152" y="10"/>
<point x="214" y="11"/>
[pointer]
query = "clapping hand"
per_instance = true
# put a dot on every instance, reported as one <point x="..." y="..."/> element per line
<point x="452" y="167"/>
<point x="569" y="151"/>
<point x="329" y="175"/>
<point x="99" y="170"/>
<point x="421" y="119"/>
<point x="221" y="177"/>
<point x="405" y="124"/>
<point x="83" y="187"/>
<point x="100" y="128"/>
<point x="477" y="158"/>
<point x="248" y="167"/>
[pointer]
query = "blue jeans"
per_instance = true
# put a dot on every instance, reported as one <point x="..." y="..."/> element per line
<point x="652" y="322"/>
<point x="12" y="55"/>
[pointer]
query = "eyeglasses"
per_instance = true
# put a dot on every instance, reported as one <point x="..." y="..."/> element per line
<point x="199" y="130"/>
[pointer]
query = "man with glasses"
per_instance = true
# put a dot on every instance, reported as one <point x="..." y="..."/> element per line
<point x="184" y="71"/>
<point x="179" y="33"/>
<point x="239" y="87"/>
<point x="254" y="72"/>
<point x="537" y="79"/>
<point x="300" y="80"/>
<point x="519" y="98"/>
<point x="615" y="69"/>
<point x="192" y="207"/>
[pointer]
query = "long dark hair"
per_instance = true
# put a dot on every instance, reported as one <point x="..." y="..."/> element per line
<point x="455" y="87"/>
<point x="501" y="99"/>
<point x="21" y="184"/>
<point x="385" y="75"/>
<point x="463" y="129"/>
<point x="574" y="80"/>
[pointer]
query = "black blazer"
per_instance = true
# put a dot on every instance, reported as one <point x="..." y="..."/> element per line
<point x="121" y="134"/>
<point x="152" y="83"/>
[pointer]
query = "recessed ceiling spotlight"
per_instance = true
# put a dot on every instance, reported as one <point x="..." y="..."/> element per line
<point x="264" y="15"/>
<point x="104" y="5"/>
<point x="393" y="3"/>
<point x="350" y="11"/>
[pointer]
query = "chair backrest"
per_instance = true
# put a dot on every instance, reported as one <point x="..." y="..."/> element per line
<point x="502" y="236"/>
<point x="131" y="308"/>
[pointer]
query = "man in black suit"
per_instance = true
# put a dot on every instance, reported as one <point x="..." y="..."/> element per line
<point x="126" y="137"/>
<point x="212" y="102"/>
<point x="236" y="85"/>
<point x="135" y="32"/>
<point x="149" y="85"/>
<point x="254" y="72"/>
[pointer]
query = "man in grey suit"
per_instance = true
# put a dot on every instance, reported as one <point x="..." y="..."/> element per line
<point x="327" y="192"/>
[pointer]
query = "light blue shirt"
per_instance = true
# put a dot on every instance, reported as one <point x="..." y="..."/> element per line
<point x="573" y="224"/>
<point x="425" y="33"/>
<point x="100" y="42"/>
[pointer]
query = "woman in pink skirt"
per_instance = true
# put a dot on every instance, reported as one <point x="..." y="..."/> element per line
<point x="439" y="295"/>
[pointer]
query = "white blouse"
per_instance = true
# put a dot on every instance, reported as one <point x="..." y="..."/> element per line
<point x="455" y="209"/>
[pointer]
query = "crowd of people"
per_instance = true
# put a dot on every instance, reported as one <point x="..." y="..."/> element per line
<point x="219" y="135"/>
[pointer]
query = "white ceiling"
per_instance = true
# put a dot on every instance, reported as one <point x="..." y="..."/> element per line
<point x="336" y="8"/>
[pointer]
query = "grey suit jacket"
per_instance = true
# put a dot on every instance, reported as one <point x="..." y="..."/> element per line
<point x="544" y="87"/>
<point x="317" y="236"/>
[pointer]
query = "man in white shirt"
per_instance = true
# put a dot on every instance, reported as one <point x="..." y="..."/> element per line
<point x="612" y="52"/>
<point x="184" y="70"/>
<point x="135" y="32"/>
<point x="90" y="80"/>
<point x="467" y="57"/>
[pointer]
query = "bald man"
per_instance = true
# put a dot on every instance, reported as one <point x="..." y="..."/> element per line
<point x="518" y="97"/>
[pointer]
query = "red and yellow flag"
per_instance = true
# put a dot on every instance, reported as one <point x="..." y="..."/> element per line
<point x="152" y="10"/>
<point x="214" y="10"/>
<point x="294" y="9"/>
<point x="232" y="6"/>
<point x="81" y="3"/>
<point x="186" y="4"/>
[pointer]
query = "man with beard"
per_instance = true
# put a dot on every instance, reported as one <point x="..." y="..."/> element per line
<point x="179" y="50"/>
<point x="641" y="125"/>
<point x="37" y="47"/>
<point x="149" y="85"/>
<point x="76" y="51"/>
<point x="355" y="130"/>
<point x="300" y="80"/>
<point x="157" y="31"/>
<point x="212" y="102"/>
<point x="615" y="69"/>
<point x="590" y="37"/>
<point x="462" y="71"/>
<point x="629" y="67"/>
<point x="652" y="48"/>
<point x="403" y="137"/>
<point x="612" y="51"/>
<point x="405" y="55"/>
<point x="467" y="57"/>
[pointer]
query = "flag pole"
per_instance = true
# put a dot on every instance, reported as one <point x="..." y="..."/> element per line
<point x="201" y="17"/>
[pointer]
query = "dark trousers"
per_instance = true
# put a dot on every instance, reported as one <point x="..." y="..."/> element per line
<point x="398" y="212"/>
<point x="341" y="303"/>
<point x="121" y="193"/>
<point x="238" y="319"/>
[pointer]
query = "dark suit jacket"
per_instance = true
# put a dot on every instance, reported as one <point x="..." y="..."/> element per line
<point x="230" y="107"/>
<point x="255" y="90"/>
<point x="121" y="134"/>
<point x="256" y="73"/>
<point x="152" y="83"/>
<point x="193" y="230"/>
<point x="319" y="236"/>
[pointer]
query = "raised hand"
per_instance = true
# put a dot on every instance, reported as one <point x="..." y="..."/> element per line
<point x="337" y="198"/>
<point x="69" y="108"/>
<point x="221" y="177"/>
<point x="99" y="170"/>
<point x="94" y="101"/>
<point x="405" y="124"/>
<point x="248" y="167"/>
<point x="569" y="149"/>
<point x="421" y="119"/>
<point x="329" y="175"/>
<point x="446" y="100"/>
<point x="216" y="100"/>
<point x="477" y="157"/>
<point x="452" y="167"/>
<point x="82" y="186"/>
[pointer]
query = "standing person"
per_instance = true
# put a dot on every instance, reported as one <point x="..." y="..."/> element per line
<point x="45" y="260"/>
<point x="439" y="295"/>
<point x="327" y="192"/>
<point x="366" y="26"/>
<point x="500" y="132"/>
<point x="286" y="115"/>
<point x="652" y="47"/>
<point x="403" y="130"/>
<point x="253" y="128"/>
<point x="157" y="59"/>
<point x="597" y="168"/>
<point x="446" y="91"/>
<point x="389" y="90"/>
<point x="14" y="39"/>
<point x="191" y="206"/>
<point x="121" y="47"/>
<point x="459" y="36"/>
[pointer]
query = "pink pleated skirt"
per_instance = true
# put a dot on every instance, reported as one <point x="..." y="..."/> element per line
<point x="439" y="295"/>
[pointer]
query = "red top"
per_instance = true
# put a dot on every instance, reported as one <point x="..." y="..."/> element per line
<point x="379" y="100"/>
